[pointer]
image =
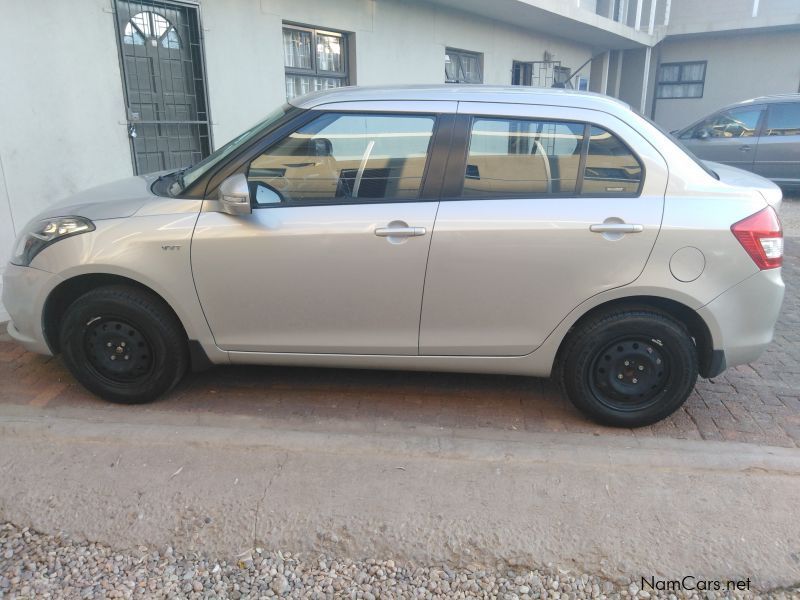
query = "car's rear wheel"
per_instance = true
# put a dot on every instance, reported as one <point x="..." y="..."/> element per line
<point x="629" y="368"/>
<point x="123" y="344"/>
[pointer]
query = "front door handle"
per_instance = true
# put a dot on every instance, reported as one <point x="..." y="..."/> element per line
<point x="399" y="231"/>
<point x="616" y="228"/>
<point x="745" y="148"/>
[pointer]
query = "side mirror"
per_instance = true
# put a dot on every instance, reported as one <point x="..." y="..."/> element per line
<point x="234" y="195"/>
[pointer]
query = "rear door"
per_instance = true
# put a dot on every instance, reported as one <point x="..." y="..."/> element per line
<point x="729" y="136"/>
<point x="778" y="153"/>
<point x="513" y="249"/>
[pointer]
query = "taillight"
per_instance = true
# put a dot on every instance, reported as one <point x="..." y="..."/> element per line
<point x="762" y="237"/>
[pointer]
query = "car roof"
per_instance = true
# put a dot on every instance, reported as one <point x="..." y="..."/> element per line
<point x="464" y="93"/>
<point x="771" y="99"/>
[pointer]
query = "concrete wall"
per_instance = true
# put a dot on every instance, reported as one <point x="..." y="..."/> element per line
<point x="396" y="42"/>
<point x="739" y="66"/>
<point x="690" y="16"/>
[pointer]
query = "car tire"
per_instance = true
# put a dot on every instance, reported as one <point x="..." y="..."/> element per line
<point x="629" y="368"/>
<point x="123" y="344"/>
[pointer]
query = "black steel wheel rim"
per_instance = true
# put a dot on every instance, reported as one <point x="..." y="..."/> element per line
<point x="632" y="373"/>
<point x="117" y="350"/>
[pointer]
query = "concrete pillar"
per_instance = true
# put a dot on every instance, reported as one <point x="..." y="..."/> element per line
<point x="598" y="74"/>
<point x="645" y="79"/>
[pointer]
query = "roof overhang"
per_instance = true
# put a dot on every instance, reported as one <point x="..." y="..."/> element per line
<point x="562" y="18"/>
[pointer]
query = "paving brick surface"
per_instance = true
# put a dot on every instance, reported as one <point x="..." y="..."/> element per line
<point x="757" y="403"/>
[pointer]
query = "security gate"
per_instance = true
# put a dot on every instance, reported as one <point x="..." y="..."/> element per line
<point x="164" y="80"/>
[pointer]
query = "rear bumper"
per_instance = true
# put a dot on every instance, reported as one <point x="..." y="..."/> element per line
<point x="25" y="291"/>
<point x="742" y="320"/>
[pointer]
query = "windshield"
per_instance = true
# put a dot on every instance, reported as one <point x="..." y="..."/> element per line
<point x="193" y="173"/>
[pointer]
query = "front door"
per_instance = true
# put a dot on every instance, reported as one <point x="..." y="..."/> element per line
<point x="332" y="259"/>
<point x="525" y="235"/>
<point x="164" y="84"/>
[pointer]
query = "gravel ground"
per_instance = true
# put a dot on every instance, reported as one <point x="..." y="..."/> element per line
<point x="33" y="565"/>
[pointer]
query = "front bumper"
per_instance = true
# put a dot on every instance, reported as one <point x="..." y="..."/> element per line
<point x="25" y="291"/>
<point x="742" y="319"/>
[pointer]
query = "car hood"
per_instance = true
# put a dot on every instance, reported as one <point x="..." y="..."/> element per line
<point x="115" y="200"/>
<point x="741" y="178"/>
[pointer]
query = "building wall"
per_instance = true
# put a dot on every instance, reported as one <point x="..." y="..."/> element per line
<point x="739" y="66"/>
<point x="396" y="42"/>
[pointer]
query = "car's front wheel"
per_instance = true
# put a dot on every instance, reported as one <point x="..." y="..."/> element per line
<point x="123" y="344"/>
<point x="629" y="368"/>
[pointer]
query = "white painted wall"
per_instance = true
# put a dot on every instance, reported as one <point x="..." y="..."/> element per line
<point x="396" y="42"/>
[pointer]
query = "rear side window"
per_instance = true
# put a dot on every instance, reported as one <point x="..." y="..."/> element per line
<point x="783" y="119"/>
<point x="515" y="157"/>
<point x="519" y="157"/>
<point x="345" y="157"/>
<point x="611" y="168"/>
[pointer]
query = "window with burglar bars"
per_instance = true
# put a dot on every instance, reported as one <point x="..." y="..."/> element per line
<point x="462" y="67"/>
<point x="315" y="60"/>
<point x="681" y="80"/>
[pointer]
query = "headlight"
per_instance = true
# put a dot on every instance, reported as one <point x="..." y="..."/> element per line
<point x="40" y="234"/>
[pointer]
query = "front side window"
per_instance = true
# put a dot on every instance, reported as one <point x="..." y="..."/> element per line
<point x="681" y="80"/>
<point x="341" y="157"/>
<point x="520" y="157"/>
<point x="611" y="167"/>
<point x="733" y="123"/>
<point x="314" y="60"/>
<point x="462" y="67"/>
<point x="783" y="119"/>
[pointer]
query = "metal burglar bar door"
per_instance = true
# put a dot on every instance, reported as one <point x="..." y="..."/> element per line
<point x="164" y="84"/>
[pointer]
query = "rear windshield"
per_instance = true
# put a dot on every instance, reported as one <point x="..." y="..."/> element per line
<point x="680" y="145"/>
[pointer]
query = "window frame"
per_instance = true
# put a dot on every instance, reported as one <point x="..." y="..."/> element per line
<point x="459" y="154"/>
<point x="449" y="52"/>
<point x="314" y="71"/>
<point x="681" y="81"/>
<point x="430" y="185"/>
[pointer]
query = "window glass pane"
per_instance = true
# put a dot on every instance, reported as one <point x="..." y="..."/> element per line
<point x="346" y="157"/>
<point x="514" y="157"/>
<point x="329" y="53"/>
<point x="132" y="36"/>
<point x="669" y="73"/>
<point x="171" y="40"/>
<point x="297" y="48"/>
<point x="784" y="119"/>
<point x="297" y="85"/>
<point x="739" y="122"/>
<point x="693" y="72"/>
<point x="471" y="68"/>
<point x="450" y="68"/>
<point x="610" y="167"/>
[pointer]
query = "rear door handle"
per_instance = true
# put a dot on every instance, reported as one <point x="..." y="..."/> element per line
<point x="745" y="148"/>
<point x="616" y="228"/>
<point x="399" y="231"/>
